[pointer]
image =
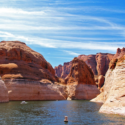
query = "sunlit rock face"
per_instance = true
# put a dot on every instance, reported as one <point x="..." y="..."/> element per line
<point x="100" y="81"/>
<point x="3" y="92"/>
<point x="27" y="75"/>
<point x="113" y="92"/>
<point x="114" y="87"/>
<point x="80" y="81"/>
<point x="98" y="63"/>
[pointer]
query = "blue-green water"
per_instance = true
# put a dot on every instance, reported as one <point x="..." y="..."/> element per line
<point x="53" y="112"/>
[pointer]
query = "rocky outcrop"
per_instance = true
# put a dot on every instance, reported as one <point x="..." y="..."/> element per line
<point x="27" y="75"/>
<point x="58" y="70"/>
<point x="101" y="80"/>
<point x="114" y="87"/>
<point x="63" y="71"/>
<point x="80" y="81"/>
<point x="3" y="92"/>
<point x="119" y="53"/>
<point x="98" y="63"/>
<point x="103" y="60"/>
<point x="90" y="61"/>
<point x="99" y="98"/>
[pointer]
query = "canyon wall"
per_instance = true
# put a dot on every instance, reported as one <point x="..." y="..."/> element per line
<point x="3" y="92"/>
<point x="80" y="81"/>
<point x="98" y="63"/>
<point x="28" y="76"/>
<point x="113" y="92"/>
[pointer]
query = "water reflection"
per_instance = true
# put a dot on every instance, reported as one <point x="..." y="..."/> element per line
<point x="53" y="112"/>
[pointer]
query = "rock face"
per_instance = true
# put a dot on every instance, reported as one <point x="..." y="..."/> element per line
<point x="27" y="75"/>
<point x="29" y="90"/>
<point x="103" y="62"/>
<point x="101" y="80"/>
<point x="80" y="81"/>
<point x="98" y="63"/>
<point x="99" y="98"/>
<point x="63" y="71"/>
<point x="90" y="60"/>
<point x="3" y="92"/>
<point x="114" y="86"/>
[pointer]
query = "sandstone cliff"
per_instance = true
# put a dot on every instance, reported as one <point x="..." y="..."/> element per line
<point x="113" y="93"/>
<point x="3" y="92"/>
<point x="98" y="63"/>
<point x="114" y="89"/>
<point x="80" y="81"/>
<point x="27" y="75"/>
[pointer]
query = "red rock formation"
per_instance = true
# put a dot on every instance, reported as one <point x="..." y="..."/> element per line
<point x="80" y="81"/>
<point x="58" y="70"/>
<point x="3" y="92"/>
<point x="119" y="53"/>
<point x="113" y="92"/>
<point x="103" y="60"/>
<point x="90" y="61"/>
<point x="98" y="63"/>
<point x="66" y="69"/>
<point x="80" y="73"/>
<point x="19" y="61"/>
<point x="101" y="80"/>
<point x="23" y="71"/>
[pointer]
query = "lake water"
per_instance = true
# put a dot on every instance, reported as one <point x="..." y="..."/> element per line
<point x="53" y="112"/>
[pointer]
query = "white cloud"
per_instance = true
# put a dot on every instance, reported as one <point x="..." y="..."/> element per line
<point x="17" y="11"/>
<point x="52" y="43"/>
<point x="24" y="22"/>
<point x="71" y="53"/>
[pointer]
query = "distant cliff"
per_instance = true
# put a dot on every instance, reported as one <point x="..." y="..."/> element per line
<point x="98" y="63"/>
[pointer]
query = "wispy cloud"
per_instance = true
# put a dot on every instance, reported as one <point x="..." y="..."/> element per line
<point x="19" y="24"/>
<point x="54" y="43"/>
<point x="71" y="53"/>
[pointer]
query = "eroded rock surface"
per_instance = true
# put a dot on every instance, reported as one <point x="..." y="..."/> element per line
<point x="114" y="87"/>
<point x="27" y="75"/>
<point x="80" y="81"/>
<point x="3" y="92"/>
<point x="101" y="80"/>
<point x="98" y="63"/>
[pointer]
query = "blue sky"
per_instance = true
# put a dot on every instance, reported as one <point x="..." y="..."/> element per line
<point x="63" y="29"/>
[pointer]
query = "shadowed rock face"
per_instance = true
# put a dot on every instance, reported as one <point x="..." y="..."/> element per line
<point x="103" y="61"/>
<point x="101" y="80"/>
<point x="80" y="73"/>
<point x="98" y="63"/>
<point x="80" y="81"/>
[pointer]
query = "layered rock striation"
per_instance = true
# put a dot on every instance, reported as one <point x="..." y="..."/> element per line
<point x="113" y="92"/>
<point x="27" y="75"/>
<point x="114" y="89"/>
<point x="80" y="81"/>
